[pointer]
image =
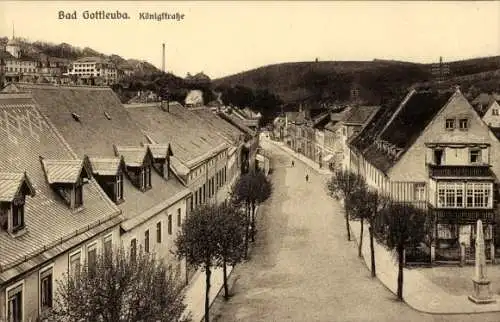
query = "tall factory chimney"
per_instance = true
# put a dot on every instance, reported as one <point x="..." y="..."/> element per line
<point x="163" y="58"/>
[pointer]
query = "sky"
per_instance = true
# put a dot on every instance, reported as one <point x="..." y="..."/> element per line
<point x="225" y="37"/>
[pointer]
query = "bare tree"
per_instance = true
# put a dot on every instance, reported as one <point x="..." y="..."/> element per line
<point x="117" y="287"/>
<point x="341" y="185"/>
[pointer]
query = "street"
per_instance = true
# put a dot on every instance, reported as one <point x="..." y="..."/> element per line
<point x="302" y="268"/>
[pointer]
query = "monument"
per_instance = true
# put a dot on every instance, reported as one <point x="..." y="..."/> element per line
<point x="482" y="290"/>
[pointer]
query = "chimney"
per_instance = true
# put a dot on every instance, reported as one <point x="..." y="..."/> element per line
<point x="163" y="58"/>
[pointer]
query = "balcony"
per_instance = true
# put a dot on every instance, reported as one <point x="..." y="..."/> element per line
<point x="460" y="171"/>
<point x="464" y="216"/>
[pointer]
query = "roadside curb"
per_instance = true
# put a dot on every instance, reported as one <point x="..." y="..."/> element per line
<point x="412" y="299"/>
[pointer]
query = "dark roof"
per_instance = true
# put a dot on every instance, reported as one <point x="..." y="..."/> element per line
<point x="321" y="121"/>
<point x="191" y="139"/>
<point x="96" y="135"/>
<point x="237" y="122"/>
<point x="496" y="131"/>
<point x="360" y="114"/>
<point x="49" y="221"/>
<point x="385" y="133"/>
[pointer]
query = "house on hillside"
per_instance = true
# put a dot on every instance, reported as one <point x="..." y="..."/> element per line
<point x="483" y="101"/>
<point x="194" y="98"/>
<point x="492" y="115"/>
<point x="434" y="151"/>
<point x="137" y="177"/>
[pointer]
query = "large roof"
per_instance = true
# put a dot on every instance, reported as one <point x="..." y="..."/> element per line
<point x="360" y="114"/>
<point x="50" y="223"/>
<point x="100" y="125"/>
<point x="397" y="126"/>
<point x="222" y="127"/>
<point x="190" y="137"/>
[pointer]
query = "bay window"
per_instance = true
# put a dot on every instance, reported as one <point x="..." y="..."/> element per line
<point x="477" y="195"/>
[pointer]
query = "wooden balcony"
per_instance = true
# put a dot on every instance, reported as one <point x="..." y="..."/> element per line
<point x="464" y="215"/>
<point x="480" y="171"/>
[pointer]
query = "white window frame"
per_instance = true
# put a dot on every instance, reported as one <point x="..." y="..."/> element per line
<point x="444" y="187"/>
<point x="40" y="272"/>
<point x="479" y="155"/>
<point x="466" y="124"/>
<point x="71" y="255"/>
<point x="16" y="285"/>
<point x="90" y="246"/>
<point x="106" y="238"/>
<point x="420" y="192"/>
<point x="452" y="127"/>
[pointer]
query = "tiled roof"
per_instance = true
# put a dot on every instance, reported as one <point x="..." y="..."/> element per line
<point x="96" y="135"/>
<point x="133" y="156"/>
<point x="50" y="224"/>
<point x="62" y="171"/>
<point x="228" y="131"/>
<point x="11" y="183"/>
<point x="236" y="122"/>
<point x="360" y="114"/>
<point x="189" y="136"/>
<point x="160" y="151"/>
<point x="105" y="166"/>
<point x="400" y="132"/>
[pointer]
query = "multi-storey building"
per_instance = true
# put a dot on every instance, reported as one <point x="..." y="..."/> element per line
<point x="53" y="213"/>
<point x="94" y="68"/>
<point x="433" y="150"/>
<point x="137" y="176"/>
<point x="15" y="65"/>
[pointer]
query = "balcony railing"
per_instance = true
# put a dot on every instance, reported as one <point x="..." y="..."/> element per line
<point x="460" y="171"/>
<point x="464" y="216"/>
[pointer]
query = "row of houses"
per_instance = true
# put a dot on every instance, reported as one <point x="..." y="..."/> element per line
<point x="432" y="149"/>
<point x="80" y="174"/>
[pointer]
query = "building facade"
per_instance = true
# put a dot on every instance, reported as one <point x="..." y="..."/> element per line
<point x="446" y="162"/>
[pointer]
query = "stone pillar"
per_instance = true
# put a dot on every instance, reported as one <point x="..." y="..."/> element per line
<point x="482" y="289"/>
<point x="433" y="252"/>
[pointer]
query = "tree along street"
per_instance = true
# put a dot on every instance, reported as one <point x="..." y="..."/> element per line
<point x="302" y="268"/>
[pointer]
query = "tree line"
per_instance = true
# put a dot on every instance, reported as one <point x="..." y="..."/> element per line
<point x="396" y="225"/>
<point x="129" y="286"/>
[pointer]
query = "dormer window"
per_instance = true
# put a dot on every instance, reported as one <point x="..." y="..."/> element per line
<point x="67" y="178"/>
<point x="109" y="174"/>
<point x="138" y="162"/>
<point x="14" y="187"/>
<point x="161" y="158"/>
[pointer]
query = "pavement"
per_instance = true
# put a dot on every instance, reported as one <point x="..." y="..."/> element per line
<point x="194" y="292"/>
<point x="303" y="268"/>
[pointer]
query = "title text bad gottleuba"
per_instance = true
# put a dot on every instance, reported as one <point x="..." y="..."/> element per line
<point x="118" y="15"/>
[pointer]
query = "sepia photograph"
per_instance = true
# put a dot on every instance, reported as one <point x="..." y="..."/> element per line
<point x="253" y="161"/>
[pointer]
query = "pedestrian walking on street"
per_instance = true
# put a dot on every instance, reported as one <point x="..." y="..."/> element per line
<point x="293" y="163"/>
<point x="307" y="177"/>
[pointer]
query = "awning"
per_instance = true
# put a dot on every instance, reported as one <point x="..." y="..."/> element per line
<point x="328" y="157"/>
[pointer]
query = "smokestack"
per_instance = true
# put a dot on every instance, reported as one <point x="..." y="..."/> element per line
<point x="163" y="58"/>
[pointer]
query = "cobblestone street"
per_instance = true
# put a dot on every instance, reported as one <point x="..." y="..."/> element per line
<point x="303" y="269"/>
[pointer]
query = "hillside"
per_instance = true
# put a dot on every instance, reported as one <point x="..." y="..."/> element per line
<point x="375" y="80"/>
<point x="69" y="52"/>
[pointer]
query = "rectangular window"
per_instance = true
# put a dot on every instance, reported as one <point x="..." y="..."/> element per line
<point x="170" y="224"/>
<point x="204" y="193"/>
<point x="450" y="124"/>
<point x="17" y="214"/>
<point x="179" y="217"/>
<point x="119" y="188"/>
<point x="46" y="289"/>
<point x="78" y="196"/>
<point x="420" y="192"/>
<point x="108" y="245"/>
<point x="146" y="241"/>
<point x="475" y="156"/>
<point x="158" y="232"/>
<point x="438" y="156"/>
<point x="494" y="111"/>
<point x="477" y="195"/>
<point x="463" y="124"/>
<point x="75" y="262"/>
<point x="92" y="256"/>
<point x="15" y="304"/>
<point x="133" y="249"/>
